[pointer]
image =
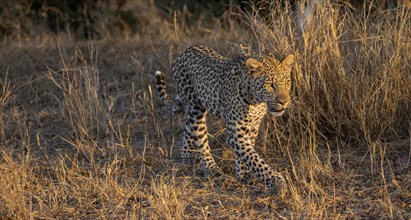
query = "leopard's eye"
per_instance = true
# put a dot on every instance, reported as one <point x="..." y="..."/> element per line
<point x="269" y="86"/>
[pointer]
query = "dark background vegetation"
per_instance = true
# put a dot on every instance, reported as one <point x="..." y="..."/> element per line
<point x="82" y="16"/>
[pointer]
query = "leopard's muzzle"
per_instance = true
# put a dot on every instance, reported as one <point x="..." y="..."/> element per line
<point x="279" y="104"/>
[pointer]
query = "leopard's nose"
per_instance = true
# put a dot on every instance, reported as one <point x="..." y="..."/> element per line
<point x="283" y="99"/>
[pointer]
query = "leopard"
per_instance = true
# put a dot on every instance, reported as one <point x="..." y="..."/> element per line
<point x="240" y="91"/>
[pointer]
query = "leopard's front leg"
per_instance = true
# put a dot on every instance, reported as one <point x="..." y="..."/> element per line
<point x="247" y="158"/>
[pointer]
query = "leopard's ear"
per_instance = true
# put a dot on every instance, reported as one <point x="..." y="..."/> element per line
<point x="289" y="60"/>
<point x="254" y="67"/>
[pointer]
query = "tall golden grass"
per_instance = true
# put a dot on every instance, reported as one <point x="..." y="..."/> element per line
<point x="83" y="136"/>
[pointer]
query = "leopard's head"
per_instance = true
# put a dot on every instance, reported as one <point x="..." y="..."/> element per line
<point x="271" y="82"/>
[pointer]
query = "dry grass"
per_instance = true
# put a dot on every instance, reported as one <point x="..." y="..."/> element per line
<point x="82" y="135"/>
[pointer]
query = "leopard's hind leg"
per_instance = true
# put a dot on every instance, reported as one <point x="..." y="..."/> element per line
<point x="197" y="128"/>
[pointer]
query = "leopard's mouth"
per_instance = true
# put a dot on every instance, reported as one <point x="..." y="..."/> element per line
<point x="277" y="113"/>
<point x="276" y="109"/>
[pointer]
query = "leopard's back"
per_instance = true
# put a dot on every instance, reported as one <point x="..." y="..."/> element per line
<point x="201" y="75"/>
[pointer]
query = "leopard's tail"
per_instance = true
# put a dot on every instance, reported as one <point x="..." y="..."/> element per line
<point x="165" y="98"/>
<point x="162" y="90"/>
